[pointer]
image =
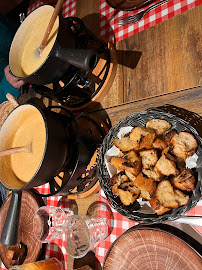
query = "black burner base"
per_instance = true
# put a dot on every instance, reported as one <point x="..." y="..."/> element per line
<point x="76" y="88"/>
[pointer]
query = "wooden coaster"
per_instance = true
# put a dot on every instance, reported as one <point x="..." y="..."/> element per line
<point x="151" y="249"/>
<point x="29" y="205"/>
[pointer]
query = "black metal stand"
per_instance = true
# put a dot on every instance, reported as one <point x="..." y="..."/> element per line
<point x="75" y="88"/>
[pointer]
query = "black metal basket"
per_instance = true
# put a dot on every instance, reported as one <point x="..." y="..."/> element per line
<point x="131" y="211"/>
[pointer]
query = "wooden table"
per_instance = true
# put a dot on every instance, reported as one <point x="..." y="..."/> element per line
<point x="160" y="65"/>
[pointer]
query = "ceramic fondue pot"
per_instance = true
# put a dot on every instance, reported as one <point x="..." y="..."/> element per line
<point x="54" y="154"/>
<point x="65" y="51"/>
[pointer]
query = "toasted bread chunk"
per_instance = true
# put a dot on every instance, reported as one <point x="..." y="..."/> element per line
<point x="165" y="150"/>
<point x="118" y="179"/>
<point x="167" y="153"/>
<point x="143" y="137"/>
<point x="133" y="163"/>
<point x="139" y="181"/>
<point x="184" y="145"/>
<point x="158" y="125"/>
<point x="159" y="144"/>
<point x="185" y="181"/>
<point x="130" y="162"/>
<point x="117" y="162"/>
<point x="132" y="157"/>
<point x="147" y="186"/>
<point x="187" y="185"/>
<point x="168" y="135"/>
<point x="165" y="194"/>
<point x="125" y="144"/>
<point x="157" y="207"/>
<point x="152" y="173"/>
<point x="166" y="166"/>
<point x="125" y="135"/>
<point x="130" y="187"/>
<point x="115" y="189"/>
<point x="149" y="158"/>
<point x="180" y="197"/>
<point x="183" y="176"/>
<point x="132" y="169"/>
<point x="121" y="154"/>
<point x="150" y="186"/>
<point x="126" y="197"/>
<point x="131" y="176"/>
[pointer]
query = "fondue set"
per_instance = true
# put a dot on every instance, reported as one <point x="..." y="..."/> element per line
<point x="64" y="146"/>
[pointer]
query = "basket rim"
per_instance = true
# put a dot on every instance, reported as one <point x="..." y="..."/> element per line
<point x="119" y="207"/>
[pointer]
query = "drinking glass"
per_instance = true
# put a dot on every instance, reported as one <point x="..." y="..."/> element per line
<point x="49" y="222"/>
<point x="83" y="234"/>
<point x="51" y="264"/>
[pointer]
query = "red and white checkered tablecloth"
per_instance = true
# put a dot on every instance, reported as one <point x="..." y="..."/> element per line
<point x="69" y="8"/>
<point x="111" y="31"/>
<point x="120" y="224"/>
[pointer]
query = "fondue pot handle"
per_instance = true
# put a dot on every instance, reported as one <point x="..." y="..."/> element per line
<point x="85" y="59"/>
<point x="9" y="235"/>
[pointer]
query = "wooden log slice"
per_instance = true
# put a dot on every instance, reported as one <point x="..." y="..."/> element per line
<point x="29" y="205"/>
<point x="143" y="249"/>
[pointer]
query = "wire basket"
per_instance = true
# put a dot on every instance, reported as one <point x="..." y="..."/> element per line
<point x="132" y="211"/>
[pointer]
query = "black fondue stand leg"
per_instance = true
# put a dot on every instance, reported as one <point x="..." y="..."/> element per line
<point x="9" y="235"/>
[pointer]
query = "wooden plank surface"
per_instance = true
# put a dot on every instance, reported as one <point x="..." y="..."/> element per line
<point x="190" y="99"/>
<point x="161" y="59"/>
<point x="158" y="66"/>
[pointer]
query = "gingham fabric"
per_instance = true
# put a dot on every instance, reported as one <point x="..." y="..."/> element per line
<point x="69" y="8"/>
<point x="120" y="224"/>
<point x="111" y="31"/>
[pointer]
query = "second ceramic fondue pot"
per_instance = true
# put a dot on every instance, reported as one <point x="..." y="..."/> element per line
<point x="64" y="53"/>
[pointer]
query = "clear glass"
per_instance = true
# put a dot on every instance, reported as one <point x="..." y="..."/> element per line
<point x="83" y="234"/>
<point x="49" y="222"/>
<point x="51" y="264"/>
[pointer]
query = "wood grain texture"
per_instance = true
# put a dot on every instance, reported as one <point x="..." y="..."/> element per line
<point x="153" y="66"/>
<point x="29" y="205"/>
<point x="86" y="8"/>
<point x="161" y="59"/>
<point x="190" y="99"/>
<point x="151" y="249"/>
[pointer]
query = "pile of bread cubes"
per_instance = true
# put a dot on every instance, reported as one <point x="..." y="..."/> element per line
<point x="152" y="166"/>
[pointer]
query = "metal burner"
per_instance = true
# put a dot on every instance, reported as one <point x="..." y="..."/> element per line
<point x="78" y="175"/>
<point x="77" y="88"/>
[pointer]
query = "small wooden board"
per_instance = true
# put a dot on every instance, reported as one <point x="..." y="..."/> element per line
<point x="29" y="205"/>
